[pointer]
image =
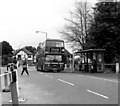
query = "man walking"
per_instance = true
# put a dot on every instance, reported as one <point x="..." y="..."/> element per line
<point x="15" y="62"/>
<point x="25" y="66"/>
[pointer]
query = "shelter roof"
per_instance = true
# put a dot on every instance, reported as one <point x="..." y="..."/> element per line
<point x="91" y="50"/>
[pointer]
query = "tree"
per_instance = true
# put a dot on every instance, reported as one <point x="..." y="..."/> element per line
<point x="0" y="49"/>
<point x="104" y="31"/>
<point x="6" y="52"/>
<point x="6" y="48"/>
<point x="75" y="31"/>
<point x="31" y="49"/>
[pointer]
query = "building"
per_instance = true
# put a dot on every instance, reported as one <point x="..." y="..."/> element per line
<point x="68" y="57"/>
<point x="24" y="53"/>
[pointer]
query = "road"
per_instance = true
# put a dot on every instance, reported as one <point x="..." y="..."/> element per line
<point x="66" y="88"/>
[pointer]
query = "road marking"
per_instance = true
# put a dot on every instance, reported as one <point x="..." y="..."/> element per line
<point x="99" y="78"/>
<point x="97" y="94"/>
<point x="66" y="82"/>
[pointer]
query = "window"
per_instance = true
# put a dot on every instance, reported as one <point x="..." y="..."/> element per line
<point x="55" y="43"/>
<point x="29" y="56"/>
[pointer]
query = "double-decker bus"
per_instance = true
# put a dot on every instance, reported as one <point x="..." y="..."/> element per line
<point x="50" y="55"/>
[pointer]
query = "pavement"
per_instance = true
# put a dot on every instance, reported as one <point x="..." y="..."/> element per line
<point x="23" y="87"/>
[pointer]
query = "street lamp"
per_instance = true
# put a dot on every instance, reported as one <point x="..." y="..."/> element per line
<point x="42" y="32"/>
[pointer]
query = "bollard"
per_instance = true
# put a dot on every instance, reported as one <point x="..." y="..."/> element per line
<point x="5" y="79"/>
<point x="17" y="83"/>
<point x="117" y="67"/>
<point x="7" y="88"/>
<point x="13" y="86"/>
<point x="14" y="95"/>
<point x="15" y="90"/>
<point x="0" y="83"/>
<point x="10" y="77"/>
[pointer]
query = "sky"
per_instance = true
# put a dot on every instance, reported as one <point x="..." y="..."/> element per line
<point x="20" y="19"/>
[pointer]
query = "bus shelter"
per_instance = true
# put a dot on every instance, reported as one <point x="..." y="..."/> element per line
<point x="92" y="60"/>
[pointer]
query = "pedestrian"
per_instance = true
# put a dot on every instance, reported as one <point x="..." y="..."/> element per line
<point x="80" y="66"/>
<point x="15" y="62"/>
<point x="25" y="67"/>
<point x="94" y="65"/>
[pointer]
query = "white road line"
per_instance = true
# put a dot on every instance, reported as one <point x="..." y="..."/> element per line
<point x="66" y="82"/>
<point x="97" y="94"/>
<point x="99" y="78"/>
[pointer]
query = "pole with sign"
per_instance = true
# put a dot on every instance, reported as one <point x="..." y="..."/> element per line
<point x="73" y="62"/>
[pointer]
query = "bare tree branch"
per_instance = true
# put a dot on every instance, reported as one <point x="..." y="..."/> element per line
<point x="75" y="31"/>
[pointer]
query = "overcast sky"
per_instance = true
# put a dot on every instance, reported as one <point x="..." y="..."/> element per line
<point x="20" y="19"/>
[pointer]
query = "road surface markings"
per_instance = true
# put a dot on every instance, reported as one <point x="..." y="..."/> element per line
<point x="66" y="82"/>
<point x="97" y="94"/>
<point x="98" y="78"/>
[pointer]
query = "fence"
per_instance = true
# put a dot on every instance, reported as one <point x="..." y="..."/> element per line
<point x="112" y="67"/>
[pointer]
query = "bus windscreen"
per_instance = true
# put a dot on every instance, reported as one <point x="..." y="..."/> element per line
<point x="53" y="58"/>
<point x="55" y="44"/>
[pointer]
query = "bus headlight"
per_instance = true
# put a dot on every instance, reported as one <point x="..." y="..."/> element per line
<point x="63" y="50"/>
<point x="61" y="65"/>
<point x="47" y="65"/>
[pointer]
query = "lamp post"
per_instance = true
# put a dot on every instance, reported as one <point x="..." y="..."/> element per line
<point x="42" y="32"/>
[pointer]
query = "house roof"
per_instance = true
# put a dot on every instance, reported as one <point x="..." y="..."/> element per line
<point x="23" y="49"/>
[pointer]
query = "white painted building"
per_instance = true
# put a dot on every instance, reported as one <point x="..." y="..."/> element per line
<point x="24" y="53"/>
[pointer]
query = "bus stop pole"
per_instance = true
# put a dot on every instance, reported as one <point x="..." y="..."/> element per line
<point x="117" y="67"/>
<point x="73" y="62"/>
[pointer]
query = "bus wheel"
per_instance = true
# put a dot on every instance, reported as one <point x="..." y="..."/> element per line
<point x="54" y="71"/>
<point x="58" y="70"/>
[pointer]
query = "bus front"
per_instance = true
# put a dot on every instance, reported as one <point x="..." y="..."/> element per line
<point x="54" y="62"/>
<point x="54" y="55"/>
<point x="54" y="46"/>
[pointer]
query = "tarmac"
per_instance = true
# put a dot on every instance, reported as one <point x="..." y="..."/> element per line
<point x="6" y="96"/>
